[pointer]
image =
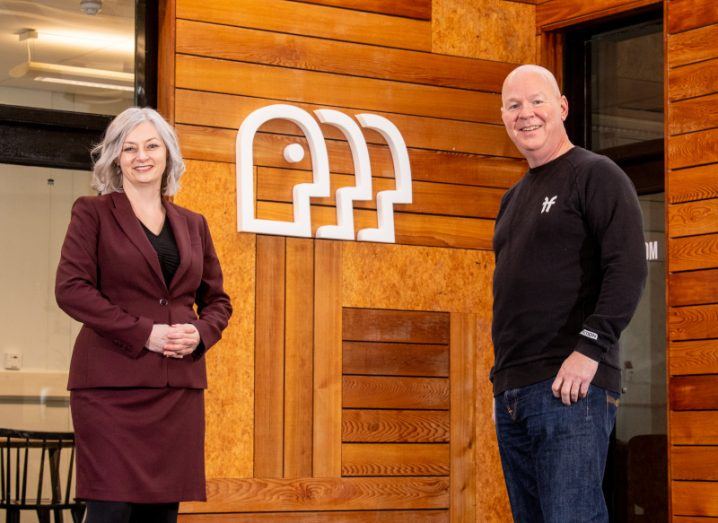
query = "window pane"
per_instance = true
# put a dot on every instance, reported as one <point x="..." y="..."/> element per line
<point x="55" y="56"/>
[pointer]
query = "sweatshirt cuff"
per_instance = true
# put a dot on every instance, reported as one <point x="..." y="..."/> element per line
<point x="589" y="349"/>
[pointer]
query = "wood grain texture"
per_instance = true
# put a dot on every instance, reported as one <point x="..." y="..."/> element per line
<point x="363" y="516"/>
<point x="331" y="56"/>
<point x="693" y="252"/>
<point x="689" y="519"/>
<point x="228" y="111"/>
<point x="464" y="346"/>
<point x="281" y="83"/>
<point x="693" y="288"/>
<point x="327" y="359"/>
<point x="395" y="359"/>
<point x="309" y="494"/>
<point x="694" y="463"/>
<point x="694" y="498"/>
<point x="693" y="357"/>
<point x="166" y="59"/>
<point x="478" y="29"/>
<point x="394" y="426"/>
<point x="687" y="150"/>
<point x="298" y="358"/>
<point x="379" y="392"/>
<point x="693" y="323"/>
<point x="555" y="14"/>
<point x="395" y="326"/>
<point x="410" y="229"/>
<point x="269" y="358"/>
<point x="692" y="46"/>
<point x="694" y="392"/>
<point x="693" y="80"/>
<point x="694" y="114"/>
<point x="313" y="20"/>
<point x="690" y="14"/>
<point x="694" y="427"/>
<point x="395" y="459"/>
<point x="687" y="219"/>
<point x="208" y="188"/>
<point x="697" y="183"/>
<point x="427" y="198"/>
<point x="420" y="9"/>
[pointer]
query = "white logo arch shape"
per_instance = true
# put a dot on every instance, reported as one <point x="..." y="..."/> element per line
<point x="320" y="186"/>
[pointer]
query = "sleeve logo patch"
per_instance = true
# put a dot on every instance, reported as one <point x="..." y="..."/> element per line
<point x="589" y="334"/>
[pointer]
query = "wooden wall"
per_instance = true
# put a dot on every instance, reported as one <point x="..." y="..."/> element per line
<point x="692" y="198"/>
<point x="352" y="383"/>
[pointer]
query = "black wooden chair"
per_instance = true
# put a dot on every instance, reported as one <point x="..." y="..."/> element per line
<point x="19" y="450"/>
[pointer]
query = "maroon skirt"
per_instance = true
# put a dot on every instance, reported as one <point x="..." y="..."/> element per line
<point x="139" y="445"/>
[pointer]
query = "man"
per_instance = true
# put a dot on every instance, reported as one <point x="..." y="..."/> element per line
<point x="570" y="268"/>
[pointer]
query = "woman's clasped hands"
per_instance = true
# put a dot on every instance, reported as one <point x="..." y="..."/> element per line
<point x="173" y="341"/>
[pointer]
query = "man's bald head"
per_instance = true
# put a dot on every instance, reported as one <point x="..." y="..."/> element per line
<point x="536" y="70"/>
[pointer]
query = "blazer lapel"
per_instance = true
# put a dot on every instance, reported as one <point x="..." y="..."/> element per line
<point x="129" y="223"/>
<point x="181" y="233"/>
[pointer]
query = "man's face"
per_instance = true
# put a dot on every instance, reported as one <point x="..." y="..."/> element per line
<point x="533" y="114"/>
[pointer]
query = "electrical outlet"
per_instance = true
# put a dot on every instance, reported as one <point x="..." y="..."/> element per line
<point x="13" y="361"/>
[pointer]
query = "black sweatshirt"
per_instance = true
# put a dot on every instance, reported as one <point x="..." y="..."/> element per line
<point x="570" y="268"/>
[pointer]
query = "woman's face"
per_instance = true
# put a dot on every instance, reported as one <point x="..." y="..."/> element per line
<point x="143" y="158"/>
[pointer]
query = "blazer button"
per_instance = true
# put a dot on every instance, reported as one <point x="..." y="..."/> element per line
<point x="163" y="301"/>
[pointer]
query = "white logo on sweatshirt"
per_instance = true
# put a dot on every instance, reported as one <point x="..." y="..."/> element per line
<point x="548" y="203"/>
<point x="589" y="334"/>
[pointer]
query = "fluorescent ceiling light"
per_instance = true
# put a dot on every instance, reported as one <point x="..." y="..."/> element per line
<point x="85" y="39"/>
<point x="83" y="83"/>
<point x="34" y="68"/>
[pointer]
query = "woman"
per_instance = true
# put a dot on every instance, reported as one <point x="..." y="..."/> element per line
<point x="132" y="270"/>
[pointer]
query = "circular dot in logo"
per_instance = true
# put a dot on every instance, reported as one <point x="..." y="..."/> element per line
<point x="294" y="153"/>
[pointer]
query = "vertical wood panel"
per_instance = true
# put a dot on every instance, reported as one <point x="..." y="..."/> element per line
<point x="463" y="411"/>
<point x="166" y="60"/>
<point x="299" y="353"/>
<point x="269" y="358"/>
<point x="327" y="452"/>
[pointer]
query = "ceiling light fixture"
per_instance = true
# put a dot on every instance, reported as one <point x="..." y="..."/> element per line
<point x="91" y="7"/>
<point x="83" y="83"/>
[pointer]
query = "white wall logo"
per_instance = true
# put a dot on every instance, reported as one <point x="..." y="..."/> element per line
<point x="547" y="204"/>
<point x="320" y="187"/>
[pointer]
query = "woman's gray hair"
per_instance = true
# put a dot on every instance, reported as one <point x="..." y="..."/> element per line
<point x="106" y="174"/>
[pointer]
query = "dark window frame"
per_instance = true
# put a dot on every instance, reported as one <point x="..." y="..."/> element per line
<point x="52" y="138"/>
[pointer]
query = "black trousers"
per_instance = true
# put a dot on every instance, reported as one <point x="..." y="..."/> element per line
<point x="119" y="512"/>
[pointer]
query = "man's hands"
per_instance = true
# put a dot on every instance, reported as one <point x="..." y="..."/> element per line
<point x="574" y="377"/>
<point x="173" y="341"/>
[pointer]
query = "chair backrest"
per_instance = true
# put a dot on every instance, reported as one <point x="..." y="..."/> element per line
<point x="19" y="453"/>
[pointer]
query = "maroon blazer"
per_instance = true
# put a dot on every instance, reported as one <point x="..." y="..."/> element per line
<point x="109" y="278"/>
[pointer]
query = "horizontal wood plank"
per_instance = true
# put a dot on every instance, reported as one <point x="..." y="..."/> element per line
<point x="697" y="183"/>
<point x="692" y="46"/>
<point x="386" y="325"/>
<point x="411" y="426"/>
<point x="694" y="427"/>
<point x="695" y="498"/>
<point x="689" y="14"/>
<point x="395" y="359"/>
<point x="687" y="219"/>
<point x="331" y="56"/>
<point x="693" y="288"/>
<point x="689" y="519"/>
<point x="694" y="392"/>
<point x="363" y="516"/>
<point x="694" y="463"/>
<point x="308" y="494"/>
<point x="276" y="185"/>
<point x="395" y="459"/>
<point x="420" y="9"/>
<point x="693" y="252"/>
<point x="693" y="323"/>
<point x="281" y="83"/>
<point x="693" y="114"/>
<point x="554" y="14"/>
<point x="314" y="20"/>
<point x="378" y="392"/>
<point x="204" y="143"/>
<point x="699" y="148"/>
<point x="228" y="111"/>
<point x="693" y="80"/>
<point x="693" y="357"/>
<point x="411" y="229"/>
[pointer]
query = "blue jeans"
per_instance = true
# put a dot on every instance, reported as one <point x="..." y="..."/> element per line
<point x="554" y="455"/>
